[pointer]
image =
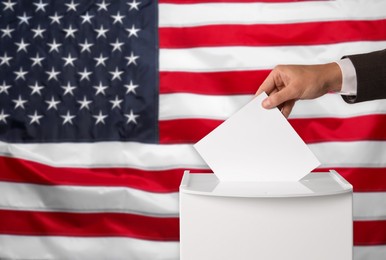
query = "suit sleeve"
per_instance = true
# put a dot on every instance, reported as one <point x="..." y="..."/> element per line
<point x="371" y="76"/>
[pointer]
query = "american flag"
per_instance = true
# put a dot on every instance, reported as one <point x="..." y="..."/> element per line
<point x="101" y="101"/>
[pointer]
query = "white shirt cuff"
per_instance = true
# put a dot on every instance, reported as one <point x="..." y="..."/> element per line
<point x="349" y="77"/>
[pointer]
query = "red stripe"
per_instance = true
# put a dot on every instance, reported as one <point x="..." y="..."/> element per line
<point x="230" y="1"/>
<point x="88" y="225"/>
<point x="272" y="34"/>
<point x="311" y="130"/>
<point x="370" y="233"/>
<point x="212" y="83"/>
<point x="24" y="171"/>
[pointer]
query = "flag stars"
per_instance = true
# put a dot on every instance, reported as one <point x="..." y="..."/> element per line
<point x="69" y="60"/>
<point x="86" y="46"/>
<point x="40" y="6"/>
<point x="5" y="59"/>
<point x="116" y="74"/>
<point x="134" y="5"/>
<point x="131" y="59"/>
<point x="103" y="5"/>
<point x="133" y="31"/>
<point x="22" y="46"/>
<point x="100" y="89"/>
<point x="118" y="18"/>
<point x="56" y="18"/>
<point x="131" y="87"/>
<point x="38" y="32"/>
<point x="20" y="74"/>
<point x="35" y="118"/>
<point x="8" y="5"/>
<point x="37" y="60"/>
<point x="4" y="88"/>
<point x="19" y="102"/>
<point x="36" y="89"/>
<point x="52" y="104"/>
<point x="101" y="32"/>
<point x="100" y="118"/>
<point x="54" y="46"/>
<point x="86" y="18"/>
<point x="131" y="118"/>
<point x="71" y="6"/>
<point x="67" y="118"/>
<point x="3" y="117"/>
<point x="68" y="89"/>
<point x="53" y="74"/>
<point x="84" y="103"/>
<point x="70" y="32"/>
<point x="117" y="45"/>
<point x="24" y="19"/>
<point x="100" y="60"/>
<point x="116" y="103"/>
<point x="7" y="32"/>
<point x="85" y="74"/>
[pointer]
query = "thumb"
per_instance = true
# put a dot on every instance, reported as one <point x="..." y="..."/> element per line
<point x="278" y="98"/>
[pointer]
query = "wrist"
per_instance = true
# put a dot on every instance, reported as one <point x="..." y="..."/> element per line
<point x="332" y="75"/>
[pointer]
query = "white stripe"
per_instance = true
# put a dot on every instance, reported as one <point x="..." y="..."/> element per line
<point x="369" y="205"/>
<point x="87" y="199"/>
<point x="248" y="58"/>
<point x="252" y="13"/>
<point x="107" y="154"/>
<point x="369" y="252"/>
<point x="46" y="247"/>
<point x="176" y="106"/>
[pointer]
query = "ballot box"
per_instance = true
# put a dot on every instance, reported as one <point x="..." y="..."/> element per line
<point x="306" y="220"/>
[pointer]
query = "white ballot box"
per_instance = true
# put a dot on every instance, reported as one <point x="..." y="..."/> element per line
<point x="306" y="220"/>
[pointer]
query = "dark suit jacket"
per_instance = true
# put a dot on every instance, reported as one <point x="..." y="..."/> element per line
<point x="371" y="76"/>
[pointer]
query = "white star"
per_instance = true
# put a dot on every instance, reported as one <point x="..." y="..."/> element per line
<point x="36" y="88"/>
<point x="7" y="32"/>
<point x="37" y="60"/>
<point x="84" y="103"/>
<point x="5" y="59"/>
<point x="71" y="6"/>
<point x="3" y="116"/>
<point x="131" y="117"/>
<point x="118" y="18"/>
<point x="35" y="118"/>
<point x="52" y="103"/>
<point x="68" y="89"/>
<point x="86" y="18"/>
<point x="103" y="6"/>
<point x="85" y="74"/>
<point x="38" y="32"/>
<point x="131" y="88"/>
<point x="8" y="5"/>
<point x="117" y="45"/>
<point x="116" y="74"/>
<point x="19" y="102"/>
<point x="101" y="32"/>
<point x="53" y="74"/>
<point x="85" y="46"/>
<point x="4" y="88"/>
<point x="22" y="46"/>
<point x="100" y="89"/>
<point x="133" y="31"/>
<point x="56" y="18"/>
<point x="131" y="59"/>
<point x="69" y="60"/>
<point x="24" y="18"/>
<point x="67" y="118"/>
<point x="99" y="118"/>
<point x="70" y="32"/>
<point x="100" y="60"/>
<point x="20" y="74"/>
<point x="134" y="5"/>
<point x="54" y="46"/>
<point x="116" y="102"/>
<point x="40" y="6"/>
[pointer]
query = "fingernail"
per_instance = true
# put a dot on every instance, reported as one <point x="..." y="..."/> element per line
<point x="267" y="103"/>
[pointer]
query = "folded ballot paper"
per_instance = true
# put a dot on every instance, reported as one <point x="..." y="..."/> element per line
<point x="256" y="144"/>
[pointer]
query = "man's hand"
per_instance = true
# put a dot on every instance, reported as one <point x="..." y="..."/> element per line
<point x="288" y="83"/>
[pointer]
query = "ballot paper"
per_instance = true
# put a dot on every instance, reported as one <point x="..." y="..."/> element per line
<point x="256" y="144"/>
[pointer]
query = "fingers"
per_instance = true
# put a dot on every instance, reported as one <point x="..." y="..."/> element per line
<point x="278" y="98"/>
<point x="268" y="85"/>
<point x="287" y="108"/>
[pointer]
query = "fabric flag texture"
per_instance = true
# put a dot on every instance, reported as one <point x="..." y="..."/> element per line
<point x="101" y="101"/>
